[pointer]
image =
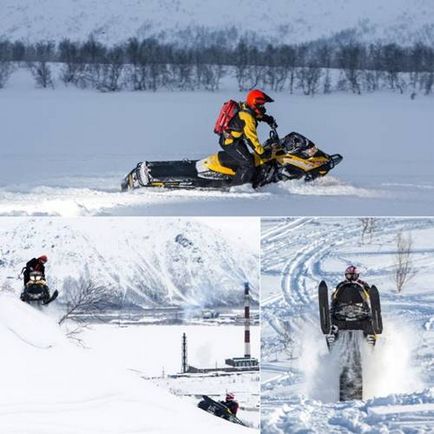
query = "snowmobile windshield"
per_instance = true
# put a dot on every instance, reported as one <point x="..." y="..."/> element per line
<point x="297" y="144"/>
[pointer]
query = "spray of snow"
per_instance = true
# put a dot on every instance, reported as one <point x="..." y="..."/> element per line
<point x="388" y="368"/>
<point x="319" y="368"/>
<point x="393" y="358"/>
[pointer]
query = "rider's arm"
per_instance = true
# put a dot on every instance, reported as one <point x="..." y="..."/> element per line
<point x="30" y="264"/>
<point x="250" y="133"/>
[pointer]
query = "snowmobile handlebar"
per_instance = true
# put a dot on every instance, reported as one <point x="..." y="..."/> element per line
<point x="274" y="135"/>
<point x="273" y="139"/>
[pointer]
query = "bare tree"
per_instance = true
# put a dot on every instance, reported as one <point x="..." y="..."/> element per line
<point x="350" y="60"/>
<point x="368" y="228"/>
<point x="309" y="78"/>
<point x="40" y="68"/>
<point x="85" y="297"/>
<point x="5" y="72"/>
<point x="6" y="67"/>
<point x="403" y="269"/>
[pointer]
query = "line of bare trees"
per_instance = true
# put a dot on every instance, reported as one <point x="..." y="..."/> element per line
<point x="317" y="67"/>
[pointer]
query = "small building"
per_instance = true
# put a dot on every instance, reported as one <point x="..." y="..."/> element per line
<point x="243" y="362"/>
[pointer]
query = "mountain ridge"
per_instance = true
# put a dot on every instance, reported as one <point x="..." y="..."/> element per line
<point x="194" y="21"/>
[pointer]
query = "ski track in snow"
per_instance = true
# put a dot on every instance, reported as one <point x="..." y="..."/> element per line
<point x="293" y="310"/>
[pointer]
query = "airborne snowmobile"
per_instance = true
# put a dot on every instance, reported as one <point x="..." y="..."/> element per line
<point x="293" y="157"/>
<point x="354" y="314"/>
<point x="352" y="309"/>
<point x="36" y="290"/>
<point x="218" y="409"/>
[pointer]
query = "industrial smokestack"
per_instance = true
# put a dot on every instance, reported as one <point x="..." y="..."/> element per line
<point x="184" y="368"/>
<point x="247" y="321"/>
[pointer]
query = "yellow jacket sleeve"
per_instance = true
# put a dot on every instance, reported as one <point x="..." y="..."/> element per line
<point x="249" y="131"/>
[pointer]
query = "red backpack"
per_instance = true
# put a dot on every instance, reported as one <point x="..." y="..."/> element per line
<point x="228" y="111"/>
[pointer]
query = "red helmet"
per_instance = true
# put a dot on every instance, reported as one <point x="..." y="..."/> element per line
<point x="43" y="259"/>
<point x="256" y="99"/>
<point x="351" y="273"/>
<point x="230" y="396"/>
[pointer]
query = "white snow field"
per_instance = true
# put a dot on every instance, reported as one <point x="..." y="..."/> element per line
<point x="288" y="21"/>
<point x="51" y="386"/>
<point x="299" y="377"/>
<point x="64" y="152"/>
<point x="149" y="262"/>
<point x="154" y="353"/>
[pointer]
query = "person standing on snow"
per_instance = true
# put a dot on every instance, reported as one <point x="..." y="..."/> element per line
<point x="35" y="264"/>
<point x="242" y="133"/>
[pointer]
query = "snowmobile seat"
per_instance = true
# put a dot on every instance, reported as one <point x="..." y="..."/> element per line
<point x="226" y="160"/>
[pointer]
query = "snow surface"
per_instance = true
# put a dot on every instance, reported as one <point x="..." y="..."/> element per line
<point x="290" y="21"/>
<point x="151" y="350"/>
<point x="299" y="377"/>
<point x="51" y="386"/>
<point x="151" y="262"/>
<point x="64" y="152"/>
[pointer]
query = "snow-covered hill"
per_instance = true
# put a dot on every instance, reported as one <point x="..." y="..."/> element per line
<point x="149" y="262"/>
<point x="299" y="377"/>
<point x="50" y="386"/>
<point x="290" y="21"/>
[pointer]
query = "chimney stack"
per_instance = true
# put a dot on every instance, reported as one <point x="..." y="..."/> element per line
<point x="247" y="352"/>
<point x="184" y="354"/>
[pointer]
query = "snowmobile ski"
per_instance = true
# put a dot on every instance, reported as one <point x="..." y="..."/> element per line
<point x="377" y="321"/>
<point x="324" y="310"/>
<point x="52" y="298"/>
<point x="218" y="409"/>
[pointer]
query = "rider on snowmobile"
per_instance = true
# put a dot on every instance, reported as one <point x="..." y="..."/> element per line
<point x="35" y="264"/>
<point x="230" y="403"/>
<point x="242" y="132"/>
<point x="351" y="277"/>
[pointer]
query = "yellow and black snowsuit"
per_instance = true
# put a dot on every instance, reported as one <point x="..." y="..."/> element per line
<point x="242" y="133"/>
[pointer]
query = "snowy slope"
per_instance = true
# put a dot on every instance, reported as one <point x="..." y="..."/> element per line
<point x="290" y="21"/>
<point x="149" y="262"/>
<point x="208" y="346"/>
<point x="299" y="377"/>
<point x="52" y="387"/>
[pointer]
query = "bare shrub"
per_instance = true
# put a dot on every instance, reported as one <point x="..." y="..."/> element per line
<point x="403" y="269"/>
<point x="368" y="225"/>
<point x="84" y="297"/>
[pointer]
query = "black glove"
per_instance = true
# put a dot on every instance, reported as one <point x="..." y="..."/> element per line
<point x="270" y="121"/>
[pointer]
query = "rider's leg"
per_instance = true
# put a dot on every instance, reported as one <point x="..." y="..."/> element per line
<point x="239" y="152"/>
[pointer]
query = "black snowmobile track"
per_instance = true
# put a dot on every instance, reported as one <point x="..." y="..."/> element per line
<point x="218" y="409"/>
<point x="351" y="378"/>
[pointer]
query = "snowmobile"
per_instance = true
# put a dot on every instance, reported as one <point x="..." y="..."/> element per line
<point x="355" y="314"/>
<point x="218" y="409"/>
<point x="352" y="309"/>
<point x="36" y="290"/>
<point x="293" y="157"/>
